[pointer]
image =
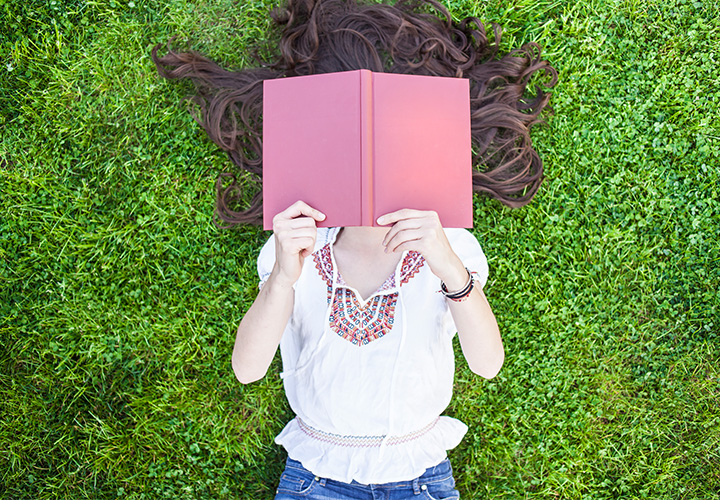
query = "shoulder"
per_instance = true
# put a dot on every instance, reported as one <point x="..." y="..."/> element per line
<point x="325" y="235"/>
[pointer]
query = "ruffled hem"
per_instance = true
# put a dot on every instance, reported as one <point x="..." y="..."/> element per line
<point x="402" y="460"/>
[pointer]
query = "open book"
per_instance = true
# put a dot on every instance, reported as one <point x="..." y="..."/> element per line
<point x="357" y="145"/>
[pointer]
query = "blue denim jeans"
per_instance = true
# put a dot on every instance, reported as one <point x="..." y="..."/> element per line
<point x="437" y="483"/>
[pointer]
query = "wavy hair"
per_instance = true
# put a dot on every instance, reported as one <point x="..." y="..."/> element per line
<point x="323" y="36"/>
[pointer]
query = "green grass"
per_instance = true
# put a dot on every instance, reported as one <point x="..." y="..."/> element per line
<point x="119" y="299"/>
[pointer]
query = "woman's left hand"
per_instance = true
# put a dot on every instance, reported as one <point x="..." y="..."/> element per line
<point x="421" y="231"/>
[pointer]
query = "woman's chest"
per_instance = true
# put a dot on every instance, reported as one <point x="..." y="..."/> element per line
<point x="408" y="300"/>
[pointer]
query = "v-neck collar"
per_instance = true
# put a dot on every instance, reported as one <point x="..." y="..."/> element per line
<point x="390" y="285"/>
<point x="413" y="261"/>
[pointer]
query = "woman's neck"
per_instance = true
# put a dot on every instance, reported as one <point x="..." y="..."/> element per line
<point x="364" y="239"/>
<point x="361" y="258"/>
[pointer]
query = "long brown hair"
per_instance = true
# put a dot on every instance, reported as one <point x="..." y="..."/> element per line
<point x="323" y="36"/>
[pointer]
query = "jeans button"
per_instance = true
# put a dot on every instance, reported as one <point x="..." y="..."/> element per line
<point x="423" y="487"/>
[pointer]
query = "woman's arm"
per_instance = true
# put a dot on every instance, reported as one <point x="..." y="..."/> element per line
<point x="262" y="326"/>
<point x="478" y="331"/>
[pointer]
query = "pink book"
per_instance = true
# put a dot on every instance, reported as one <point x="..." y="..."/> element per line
<point x="357" y="145"/>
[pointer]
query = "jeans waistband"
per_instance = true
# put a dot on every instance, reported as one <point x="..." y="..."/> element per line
<point x="438" y="472"/>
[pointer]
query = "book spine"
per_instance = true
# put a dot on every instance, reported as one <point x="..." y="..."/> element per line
<point x="367" y="195"/>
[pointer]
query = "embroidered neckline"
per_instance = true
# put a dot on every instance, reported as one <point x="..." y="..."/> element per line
<point x="411" y="264"/>
<point x="361" y="322"/>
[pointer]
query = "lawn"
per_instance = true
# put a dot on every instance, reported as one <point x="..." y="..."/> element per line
<point x="119" y="298"/>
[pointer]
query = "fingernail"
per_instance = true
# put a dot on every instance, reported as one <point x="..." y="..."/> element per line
<point x="379" y="220"/>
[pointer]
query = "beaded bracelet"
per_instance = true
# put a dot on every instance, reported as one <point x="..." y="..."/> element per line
<point x="461" y="294"/>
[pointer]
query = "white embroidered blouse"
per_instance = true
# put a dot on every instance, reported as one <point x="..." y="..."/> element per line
<point x="369" y="379"/>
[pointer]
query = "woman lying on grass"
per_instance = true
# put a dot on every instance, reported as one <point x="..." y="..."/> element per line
<point x="365" y="316"/>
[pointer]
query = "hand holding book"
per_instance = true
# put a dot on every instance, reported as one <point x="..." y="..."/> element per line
<point x="421" y="231"/>
<point x="295" y="230"/>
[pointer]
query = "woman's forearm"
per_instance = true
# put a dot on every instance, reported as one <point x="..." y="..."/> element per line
<point x="479" y="334"/>
<point x="260" y="330"/>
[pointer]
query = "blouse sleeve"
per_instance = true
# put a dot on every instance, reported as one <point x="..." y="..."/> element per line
<point x="466" y="247"/>
<point x="266" y="260"/>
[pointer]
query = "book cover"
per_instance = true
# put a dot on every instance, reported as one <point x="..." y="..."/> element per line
<point x="358" y="144"/>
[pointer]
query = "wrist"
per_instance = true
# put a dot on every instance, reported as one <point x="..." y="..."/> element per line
<point x="455" y="277"/>
<point x="461" y="294"/>
<point x="279" y="280"/>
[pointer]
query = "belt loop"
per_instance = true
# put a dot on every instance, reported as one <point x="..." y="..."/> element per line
<point x="416" y="486"/>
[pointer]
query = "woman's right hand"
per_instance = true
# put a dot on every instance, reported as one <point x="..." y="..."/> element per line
<point x="295" y="233"/>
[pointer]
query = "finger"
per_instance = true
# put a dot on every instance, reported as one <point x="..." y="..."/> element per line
<point x="296" y="223"/>
<point x="403" y="237"/>
<point x="298" y="209"/>
<point x="294" y="240"/>
<point x="283" y="226"/>
<point x="393" y="217"/>
<point x="410" y="246"/>
<point x="305" y="245"/>
<point x="303" y="232"/>
<point x="297" y="246"/>
<point x="401" y="225"/>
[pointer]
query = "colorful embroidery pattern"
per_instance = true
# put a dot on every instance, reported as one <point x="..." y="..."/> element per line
<point x="411" y="265"/>
<point x="359" y="323"/>
<point x="323" y="263"/>
<point x="362" y="441"/>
